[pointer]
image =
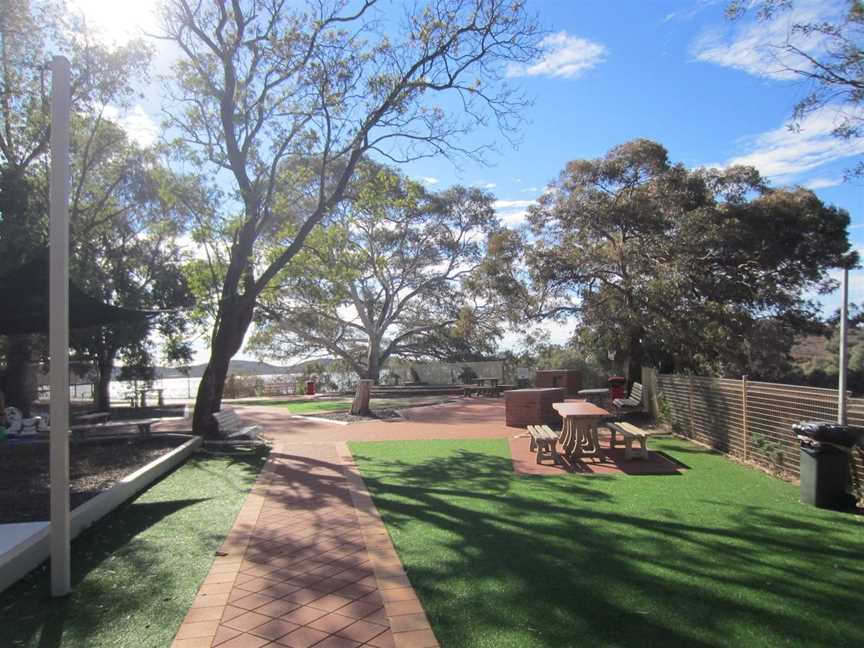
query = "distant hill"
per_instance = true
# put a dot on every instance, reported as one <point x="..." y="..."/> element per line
<point x="816" y="349"/>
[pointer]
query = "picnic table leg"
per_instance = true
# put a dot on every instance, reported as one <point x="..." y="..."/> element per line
<point x="566" y="436"/>
<point x="595" y="437"/>
<point x="554" y="451"/>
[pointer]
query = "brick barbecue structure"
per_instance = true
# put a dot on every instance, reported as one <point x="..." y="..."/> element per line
<point x="532" y="406"/>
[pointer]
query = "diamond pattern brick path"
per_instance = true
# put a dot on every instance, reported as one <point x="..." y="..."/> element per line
<point x="307" y="563"/>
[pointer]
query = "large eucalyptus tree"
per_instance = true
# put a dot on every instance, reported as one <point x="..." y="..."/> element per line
<point x="390" y="276"/>
<point x="284" y="101"/>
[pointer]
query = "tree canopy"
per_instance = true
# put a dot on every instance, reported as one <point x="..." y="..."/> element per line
<point x="124" y="221"/>
<point x="284" y="101"/>
<point x="699" y="268"/>
<point x="828" y="55"/>
<point x="389" y="276"/>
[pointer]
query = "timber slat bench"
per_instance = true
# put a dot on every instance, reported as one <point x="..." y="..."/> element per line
<point x="634" y="400"/>
<point x="630" y="433"/>
<point x="544" y="440"/>
<point x="231" y="427"/>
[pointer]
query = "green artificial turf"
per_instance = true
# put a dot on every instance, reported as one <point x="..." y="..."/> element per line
<point x="135" y="572"/>
<point x="321" y="406"/>
<point x="314" y="407"/>
<point x="721" y="555"/>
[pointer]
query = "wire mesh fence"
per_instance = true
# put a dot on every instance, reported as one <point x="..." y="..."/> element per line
<point x="752" y="420"/>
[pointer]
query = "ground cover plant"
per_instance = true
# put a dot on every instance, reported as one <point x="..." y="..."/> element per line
<point x="136" y="572"/>
<point x="719" y="555"/>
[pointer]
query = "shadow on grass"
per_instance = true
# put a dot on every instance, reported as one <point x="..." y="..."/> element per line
<point x="502" y="560"/>
<point x="144" y="560"/>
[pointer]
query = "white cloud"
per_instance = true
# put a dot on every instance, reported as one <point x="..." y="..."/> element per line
<point x="140" y="127"/>
<point x="483" y="184"/>
<point x="530" y="190"/>
<point x="512" y="212"/>
<point x="564" y="56"/>
<point x="823" y="183"/>
<point x="784" y="153"/>
<point x="756" y="46"/>
<point x="429" y="180"/>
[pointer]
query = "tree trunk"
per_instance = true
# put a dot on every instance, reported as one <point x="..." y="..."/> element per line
<point x="17" y="381"/>
<point x="635" y="356"/>
<point x="104" y="371"/>
<point x="234" y="322"/>
<point x="360" y="406"/>
<point x="373" y="360"/>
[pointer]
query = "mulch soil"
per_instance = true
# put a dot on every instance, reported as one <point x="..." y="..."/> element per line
<point x="93" y="468"/>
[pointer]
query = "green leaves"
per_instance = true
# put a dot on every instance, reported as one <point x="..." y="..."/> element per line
<point x="391" y="275"/>
<point x="692" y="268"/>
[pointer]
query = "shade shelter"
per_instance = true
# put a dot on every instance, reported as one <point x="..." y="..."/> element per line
<point x="26" y="302"/>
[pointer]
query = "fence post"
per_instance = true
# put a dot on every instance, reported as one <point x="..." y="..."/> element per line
<point x="744" y="415"/>
<point x="690" y="401"/>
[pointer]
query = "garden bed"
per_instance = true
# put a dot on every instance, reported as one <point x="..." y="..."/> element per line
<point x="93" y="468"/>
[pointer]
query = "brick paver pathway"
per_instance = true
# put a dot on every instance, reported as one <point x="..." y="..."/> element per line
<point x="307" y="563"/>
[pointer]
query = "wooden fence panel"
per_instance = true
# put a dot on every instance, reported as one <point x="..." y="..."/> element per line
<point x="752" y="420"/>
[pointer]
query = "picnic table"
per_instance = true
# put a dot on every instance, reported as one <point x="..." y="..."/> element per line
<point x="579" y="432"/>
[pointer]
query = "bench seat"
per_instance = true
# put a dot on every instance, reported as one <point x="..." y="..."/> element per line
<point x="634" y="400"/>
<point x="629" y="434"/>
<point x="544" y="441"/>
<point x="231" y="427"/>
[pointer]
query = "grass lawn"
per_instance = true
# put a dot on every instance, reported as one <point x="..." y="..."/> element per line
<point x="136" y="571"/>
<point x="321" y="406"/>
<point x="721" y="555"/>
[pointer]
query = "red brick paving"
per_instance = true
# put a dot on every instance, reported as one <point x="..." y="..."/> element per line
<point x="309" y="561"/>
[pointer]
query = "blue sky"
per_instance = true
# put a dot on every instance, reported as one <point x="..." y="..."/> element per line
<point x="710" y="90"/>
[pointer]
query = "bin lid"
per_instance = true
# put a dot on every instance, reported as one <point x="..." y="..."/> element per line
<point x="830" y="432"/>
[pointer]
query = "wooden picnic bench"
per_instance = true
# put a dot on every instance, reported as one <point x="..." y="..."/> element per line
<point x="544" y="441"/>
<point x="630" y="433"/>
<point x="231" y="427"/>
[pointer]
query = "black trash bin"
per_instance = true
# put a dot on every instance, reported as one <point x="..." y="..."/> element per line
<point x="825" y="448"/>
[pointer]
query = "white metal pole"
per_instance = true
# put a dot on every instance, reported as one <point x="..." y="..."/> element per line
<point x="58" y="327"/>
<point x="844" y="351"/>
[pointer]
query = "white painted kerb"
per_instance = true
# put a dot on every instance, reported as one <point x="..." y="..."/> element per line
<point x="25" y="545"/>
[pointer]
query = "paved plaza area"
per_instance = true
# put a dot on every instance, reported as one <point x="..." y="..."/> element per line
<point x="309" y="561"/>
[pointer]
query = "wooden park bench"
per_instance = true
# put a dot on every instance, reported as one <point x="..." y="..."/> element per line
<point x="231" y="427"/>
<point x="630" y="433"/>
<point x="544" y="441"/>
<point x="634" y="400"/>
